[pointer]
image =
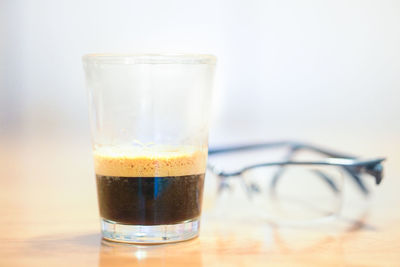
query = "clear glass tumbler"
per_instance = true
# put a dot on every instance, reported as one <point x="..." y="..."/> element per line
<point x="149" y="118"/>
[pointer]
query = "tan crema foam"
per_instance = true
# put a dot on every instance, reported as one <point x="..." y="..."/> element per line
<point x="149" y="162"/>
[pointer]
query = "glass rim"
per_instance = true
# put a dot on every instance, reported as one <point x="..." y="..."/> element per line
<point x="149" y="58"/>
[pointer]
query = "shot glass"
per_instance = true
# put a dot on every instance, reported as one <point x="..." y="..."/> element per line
<point x="149" y="118"/>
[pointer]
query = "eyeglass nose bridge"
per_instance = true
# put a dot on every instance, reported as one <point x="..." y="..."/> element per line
<point x="225" y="185"/>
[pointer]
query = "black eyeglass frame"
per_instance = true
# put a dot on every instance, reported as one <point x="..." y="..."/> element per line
<point x="352" y="165"/>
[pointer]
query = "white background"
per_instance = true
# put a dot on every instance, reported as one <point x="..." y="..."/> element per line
<point x="286" y="69"/>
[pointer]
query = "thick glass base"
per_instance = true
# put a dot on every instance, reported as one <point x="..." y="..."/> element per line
<point x="150" y="234"/>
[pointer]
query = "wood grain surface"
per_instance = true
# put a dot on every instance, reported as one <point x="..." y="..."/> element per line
<point x="49" y="217"/>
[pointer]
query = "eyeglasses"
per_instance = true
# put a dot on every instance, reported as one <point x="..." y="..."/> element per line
<point x="290" y="190"/>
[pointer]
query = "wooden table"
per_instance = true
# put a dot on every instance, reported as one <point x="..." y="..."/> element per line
<point x="49" y="218"/>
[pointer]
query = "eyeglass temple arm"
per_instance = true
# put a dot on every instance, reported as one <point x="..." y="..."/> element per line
<point x="291" y="144"/>
<point x="354" y="174"/>
<point x="372" y="166"/>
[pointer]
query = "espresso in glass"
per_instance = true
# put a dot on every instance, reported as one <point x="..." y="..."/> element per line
<point x="149" y="116"/>
<point x="150" y="186"/>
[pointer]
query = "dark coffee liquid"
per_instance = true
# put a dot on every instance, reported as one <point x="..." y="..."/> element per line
<point x="150" y="200"/>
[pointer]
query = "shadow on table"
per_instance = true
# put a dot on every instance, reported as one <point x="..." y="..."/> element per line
<point x="93" y="248"/>
<point x="174" y="254"/>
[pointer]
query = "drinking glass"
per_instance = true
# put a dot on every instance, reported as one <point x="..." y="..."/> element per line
<point x="149" y="118"/>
